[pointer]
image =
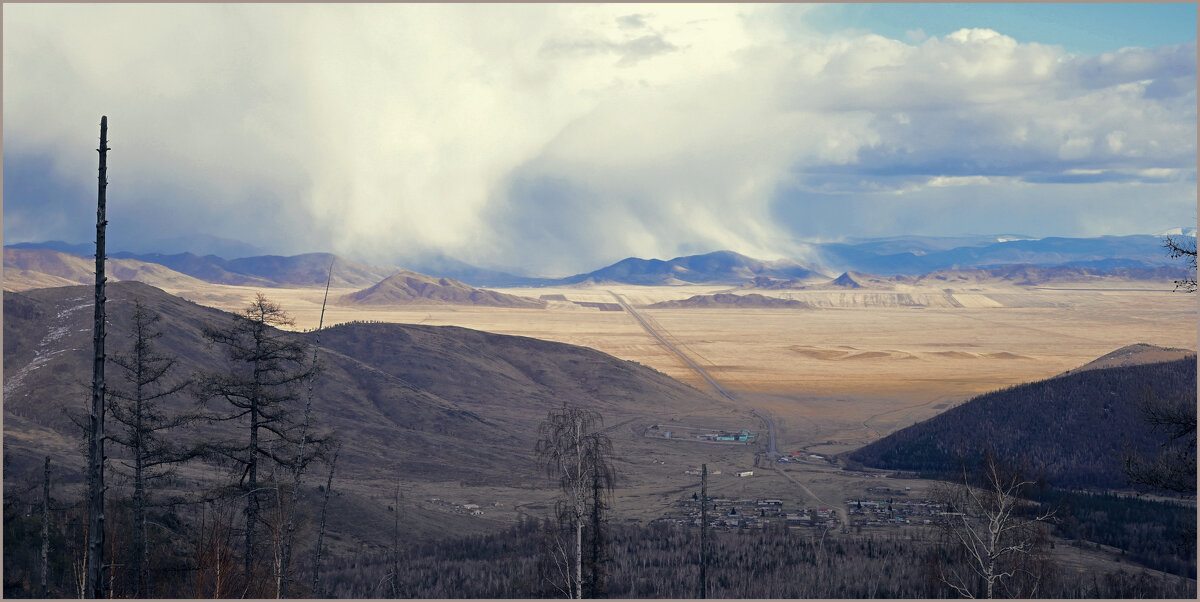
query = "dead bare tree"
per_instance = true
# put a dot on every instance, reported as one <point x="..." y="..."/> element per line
<point x="301" y="460"/>
<point x="995" y="530"/>
<point x="703" y="531"/>
<point x="94" y="588"/>
<point x="1183" y="247"/>
<point x="316" y="576"/>
<point x="396" y="543"/>
<point x="44" y="590"/>
<point x="573" y="450"/>
<point x="266" y="366"/>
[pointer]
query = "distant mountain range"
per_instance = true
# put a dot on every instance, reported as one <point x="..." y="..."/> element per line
<point x="880" y="259"/>
<point x="920" y="256"/>
<point x="1020" y="275"/>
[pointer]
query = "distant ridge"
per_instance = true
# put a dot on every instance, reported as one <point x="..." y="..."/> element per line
<point x="1132" y="257"/>
<point x="411" y="288"/>
<point x="919" y="255"/>
<point x="719" y="267"/>
<point x="751" y="300"/>
<point x="26" y="269"/>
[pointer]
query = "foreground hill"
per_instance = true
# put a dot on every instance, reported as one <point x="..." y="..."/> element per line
<point x="1071" y="429"/>
<point x="447" y="404"/>
<point x="411" y="288"/>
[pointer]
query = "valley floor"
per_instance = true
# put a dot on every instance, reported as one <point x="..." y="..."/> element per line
<point x="860" y="365"/>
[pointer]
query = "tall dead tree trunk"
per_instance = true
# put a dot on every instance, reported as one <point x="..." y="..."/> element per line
<point x="44" y="591"/>
<point x="301" y="460"/>
<point x="94" y="588"/>
<point x="316" y="576"/>
<point x="396" y="544"/>
<point x="703" y="531"/>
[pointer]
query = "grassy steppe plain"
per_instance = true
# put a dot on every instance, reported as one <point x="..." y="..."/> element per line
<point x="858" y="366"/>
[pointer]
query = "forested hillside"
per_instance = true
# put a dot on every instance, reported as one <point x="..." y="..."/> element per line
<point x="1071" y="430"/>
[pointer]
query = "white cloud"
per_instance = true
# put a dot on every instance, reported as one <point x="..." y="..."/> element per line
<point x="560" y="136"/>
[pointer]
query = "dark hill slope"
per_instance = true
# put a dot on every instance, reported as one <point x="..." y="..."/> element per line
<point x="508" y="379"/>
<point x="47" y="367"/>
<point x="445" y="403"/>
<point x="1071" y="429"/>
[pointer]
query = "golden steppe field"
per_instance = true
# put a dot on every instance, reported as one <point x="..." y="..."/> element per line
<point x="857" y="366"/>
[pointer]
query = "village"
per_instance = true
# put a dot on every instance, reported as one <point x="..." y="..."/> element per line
<point x="882" y="507"/>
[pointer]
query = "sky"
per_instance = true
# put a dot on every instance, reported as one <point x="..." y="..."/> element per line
<point x="556" y="138"/>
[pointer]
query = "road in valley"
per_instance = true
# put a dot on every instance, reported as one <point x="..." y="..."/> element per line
<point x="772" y="449"/>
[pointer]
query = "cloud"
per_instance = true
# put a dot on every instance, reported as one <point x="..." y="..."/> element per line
<point x="558" y="137"/>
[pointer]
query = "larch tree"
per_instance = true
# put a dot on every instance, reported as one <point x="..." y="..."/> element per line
<point x="138" y="407"/>
<point x="266" y="368"/>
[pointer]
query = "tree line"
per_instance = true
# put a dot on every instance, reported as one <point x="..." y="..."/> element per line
<point x="660" y="560"/>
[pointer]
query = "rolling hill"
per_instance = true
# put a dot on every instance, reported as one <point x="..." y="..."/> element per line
<point x="1071" y="429"/>
<point x="411" y="288"/>
<point x="26" y="269"/>
<point x="1134" y="355"/>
